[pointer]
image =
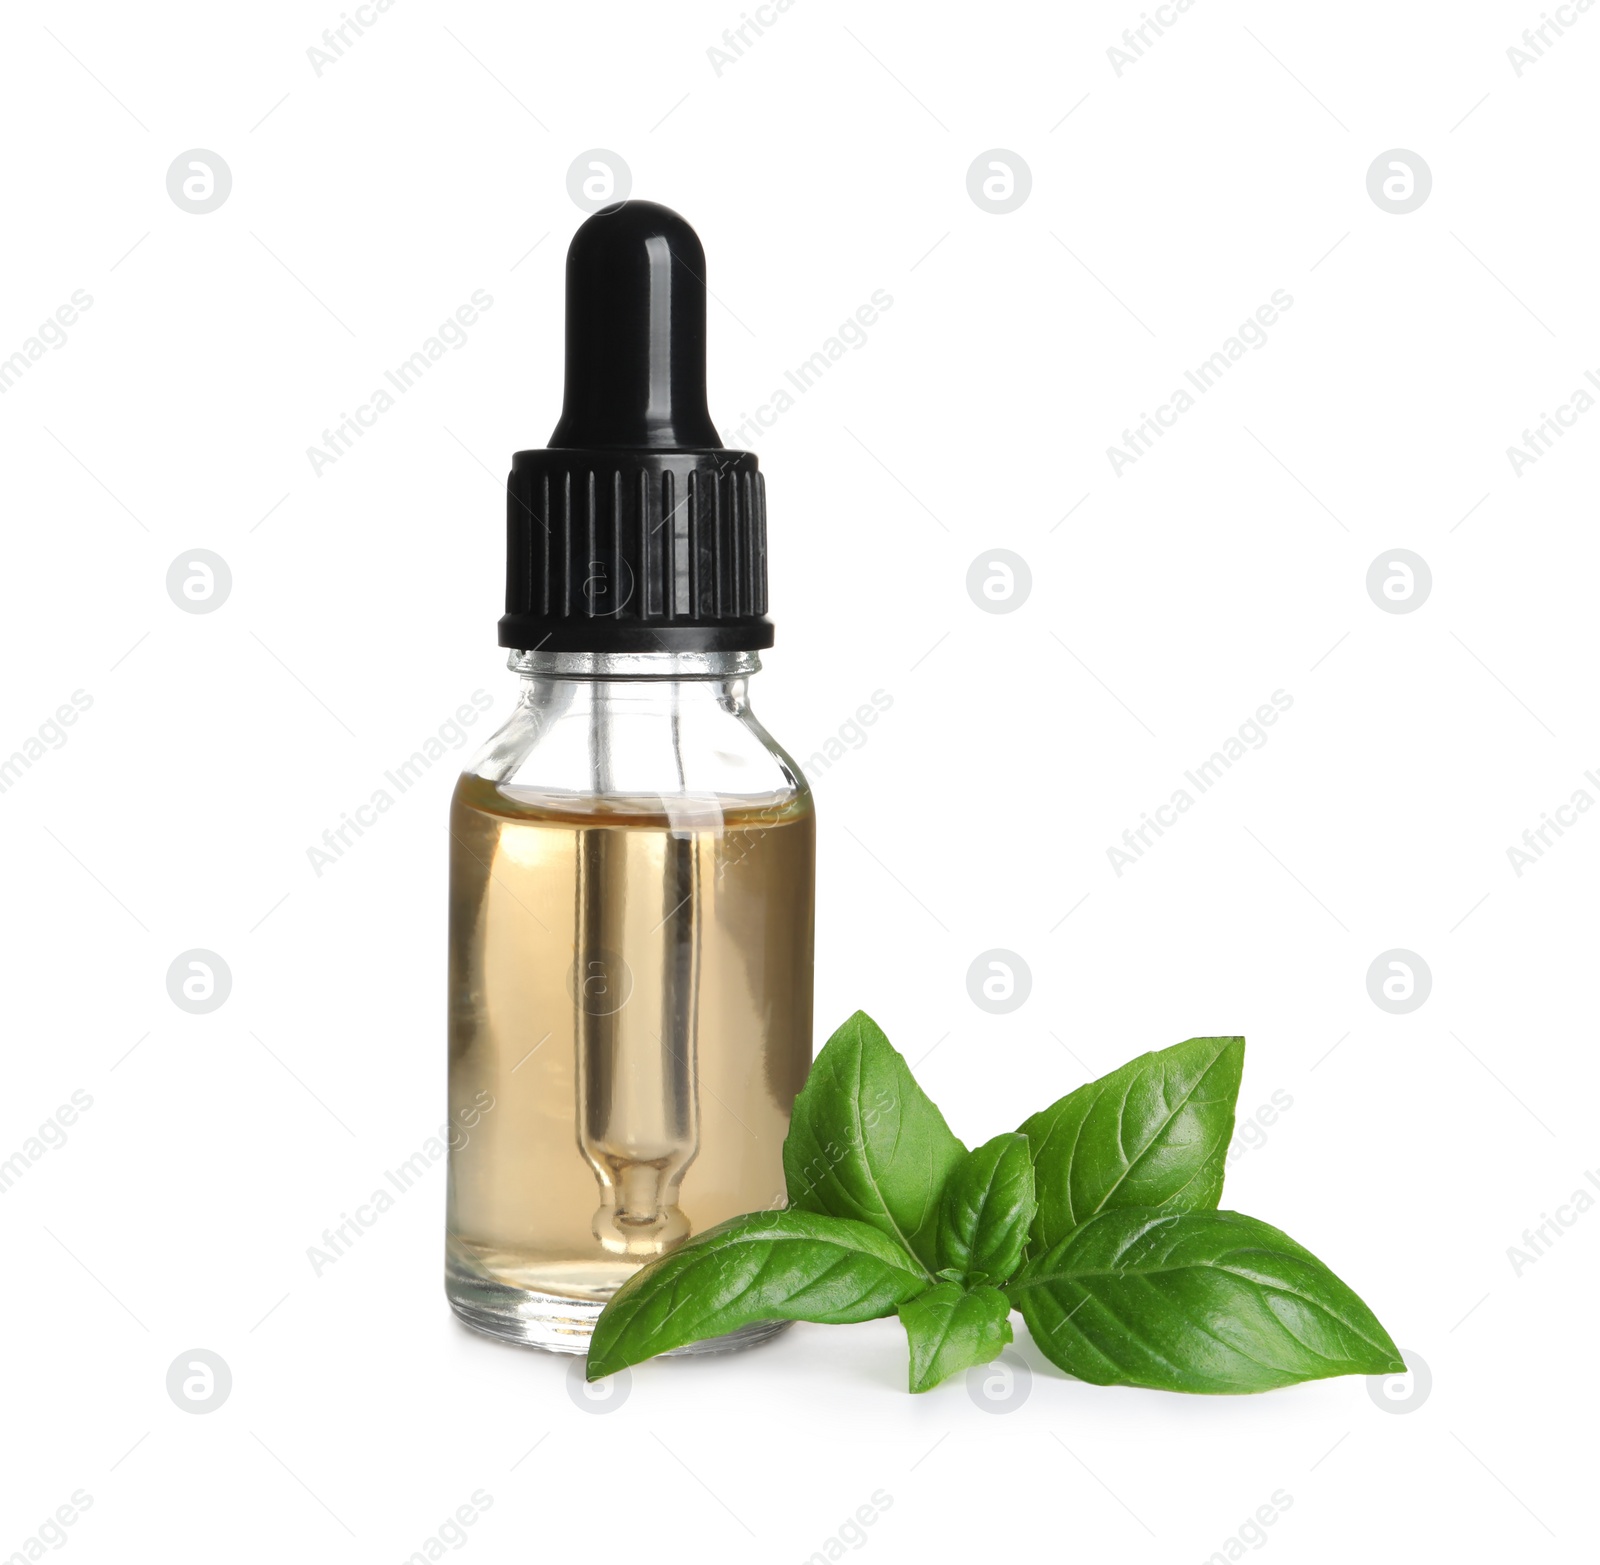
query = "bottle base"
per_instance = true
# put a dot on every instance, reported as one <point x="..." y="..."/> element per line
<point x="532" y="1319"/>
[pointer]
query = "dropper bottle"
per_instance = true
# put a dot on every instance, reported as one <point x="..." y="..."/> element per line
<point x="632" y="855"/>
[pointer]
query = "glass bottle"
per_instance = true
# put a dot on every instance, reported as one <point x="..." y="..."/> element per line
<point x="632" y="862"/>
<point x="632" y="856"/>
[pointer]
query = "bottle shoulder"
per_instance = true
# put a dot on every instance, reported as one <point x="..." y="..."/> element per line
<point x="579" y="745"/>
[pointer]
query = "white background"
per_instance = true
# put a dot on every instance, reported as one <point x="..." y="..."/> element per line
<point x="1167" y="604"/>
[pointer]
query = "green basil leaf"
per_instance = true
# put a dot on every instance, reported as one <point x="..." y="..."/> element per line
<point x="866" y="1142"/>
<point x="762" y="1266"/>
<point x="1195" y="1301"/>
<point x="951" y="1329"/>
<point x="1153" y="1133"/>
<point x="986" y="1210"/>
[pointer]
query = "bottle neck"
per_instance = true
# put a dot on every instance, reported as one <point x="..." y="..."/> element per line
<point x="638" y="725"/>
<point x="718" y="667"/>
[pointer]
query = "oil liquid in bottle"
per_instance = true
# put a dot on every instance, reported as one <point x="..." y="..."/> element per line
<point x="612" y="968"/>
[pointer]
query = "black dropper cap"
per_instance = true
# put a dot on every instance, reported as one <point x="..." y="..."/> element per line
<point x="636" y="531"/>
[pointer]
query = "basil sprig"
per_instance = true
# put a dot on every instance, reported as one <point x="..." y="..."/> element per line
<point x="1096" y="1219"/>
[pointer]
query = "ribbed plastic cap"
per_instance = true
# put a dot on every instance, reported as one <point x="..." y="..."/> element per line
<point x="635" y="531"/>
